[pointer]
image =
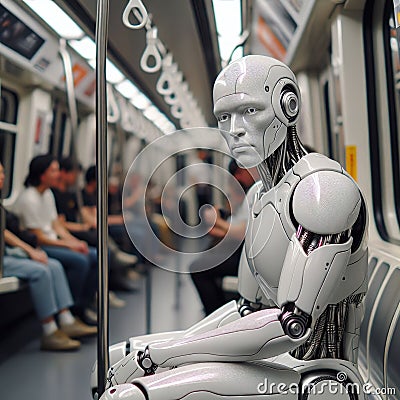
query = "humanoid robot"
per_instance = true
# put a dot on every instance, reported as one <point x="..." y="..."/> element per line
<point x="303" y="273"/>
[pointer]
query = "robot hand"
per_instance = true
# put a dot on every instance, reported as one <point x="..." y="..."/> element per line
<point x="134" y="365"/>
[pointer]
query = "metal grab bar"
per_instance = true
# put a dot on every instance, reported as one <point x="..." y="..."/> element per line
<point x="73" y="113"/>
<point x="2" y="228"/>
<point x="141" y="14"/>
<point x="102" y="188"/>
<point x="113" y="112"/>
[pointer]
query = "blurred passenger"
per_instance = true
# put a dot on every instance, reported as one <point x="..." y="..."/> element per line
<point x="48" y="286"/>
<point x="161" y="217"/>
<point x="69" y="212"/>
<point x="38" y="213"/>
<point x="209" y="282"/>
<point x="146" y="227"/>
<point x="116" y="226"/>
<point x="199" y="174"/>
<point x="89" y="195"/>
<point x="203" y="173"/>
<point x="114" y="196"/>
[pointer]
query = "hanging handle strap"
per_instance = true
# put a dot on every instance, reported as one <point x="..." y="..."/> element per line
<point x="141" y="14"/>
<point x="151" y="51"/>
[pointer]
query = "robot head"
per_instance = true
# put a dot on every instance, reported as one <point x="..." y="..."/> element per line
<point x="255" y="99"/>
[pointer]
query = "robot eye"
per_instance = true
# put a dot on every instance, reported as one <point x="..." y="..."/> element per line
<point x="250" y="111"/>
<point x="223" y="117"/>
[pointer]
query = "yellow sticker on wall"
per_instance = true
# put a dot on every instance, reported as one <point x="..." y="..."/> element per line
<point x="351" y="161"/>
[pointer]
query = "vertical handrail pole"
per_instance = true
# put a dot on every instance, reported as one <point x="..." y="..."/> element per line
<point x="73" y="112"/>
<point x="102" y="189"/>
<point x="2" y="227"/>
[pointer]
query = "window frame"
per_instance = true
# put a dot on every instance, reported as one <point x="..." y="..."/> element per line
<point x="9" y="108"/>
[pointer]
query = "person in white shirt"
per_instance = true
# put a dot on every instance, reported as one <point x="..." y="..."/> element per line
<point x="37" y="211"/>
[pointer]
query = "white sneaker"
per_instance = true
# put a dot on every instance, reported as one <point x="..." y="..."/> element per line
<point x="126" y="258"/>
<point x="90" y="316"/>
<point x="115" y="301"/>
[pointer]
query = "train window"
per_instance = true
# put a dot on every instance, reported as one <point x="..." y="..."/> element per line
<point x="8" y="129"/>
<point x="58" y="131"/>
<point x="330" y="92"/>
<point x="393" y="85"/>
<point x="383" y="113"/>
<point x="8" y="106"/>
<point x="7" y="146"/>
<point x="328" y="118"/>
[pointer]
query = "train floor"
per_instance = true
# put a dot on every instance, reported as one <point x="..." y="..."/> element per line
<point x="36" y="375"/>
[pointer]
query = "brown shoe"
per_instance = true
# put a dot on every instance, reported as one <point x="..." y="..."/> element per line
<point x="58" y="341"/>
<point x="134" y="275"/>
<point x="125" y="258"/>
<point x="78" y="329"/>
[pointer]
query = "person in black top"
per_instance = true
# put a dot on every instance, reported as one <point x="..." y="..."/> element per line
<point x="116" y="226"/>
<point x="208" y="281"/>
<point x="71" y="215"/>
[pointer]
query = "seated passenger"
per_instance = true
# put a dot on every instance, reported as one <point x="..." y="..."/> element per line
<point x="116" y="225"/>
<point x="70" y="214"/>
<point x="208" y="281"/>
<point x="37" y="211"/>
<point x="48" y="285"/>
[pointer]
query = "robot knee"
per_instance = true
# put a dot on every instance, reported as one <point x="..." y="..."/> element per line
<point x="116" y="353"/>
<point x="126" y="391"/>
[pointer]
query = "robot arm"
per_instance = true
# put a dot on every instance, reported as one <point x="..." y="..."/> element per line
<point x="127" y="357"/>
<point x="305" y="290"/>
<point x="256" y="336"/>
<point x="307" y="283"/>
<point x="130" y="359"/>
<point x="319" y="251"/>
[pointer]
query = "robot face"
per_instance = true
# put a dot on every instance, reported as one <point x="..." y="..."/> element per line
<point x="242" y="119"/>
<point x="255" y="99"/>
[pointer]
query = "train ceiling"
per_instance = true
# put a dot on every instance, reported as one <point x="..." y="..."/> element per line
<point x="186" y="28"/>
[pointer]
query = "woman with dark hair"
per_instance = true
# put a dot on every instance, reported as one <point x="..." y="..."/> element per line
<point x="37" y="211"/>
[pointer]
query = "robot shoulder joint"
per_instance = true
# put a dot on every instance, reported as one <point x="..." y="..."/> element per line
<point x="326" y="202"/>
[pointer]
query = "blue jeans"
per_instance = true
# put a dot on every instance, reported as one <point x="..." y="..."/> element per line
<point x="48" y="284"/>
<point x="81" y="270"/>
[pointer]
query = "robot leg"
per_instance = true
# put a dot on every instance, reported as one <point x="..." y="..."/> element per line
<point x="124" y="391"/>
<point x="212" y="381"/>
<point x="119" y="351"/>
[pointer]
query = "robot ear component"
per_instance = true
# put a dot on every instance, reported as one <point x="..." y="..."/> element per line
<point x="290" y="104"/>
<point x="286" y="101"/>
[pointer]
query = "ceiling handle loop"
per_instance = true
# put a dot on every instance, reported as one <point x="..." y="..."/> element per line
<point x="151" y="51"/>
<point x="141" y="15"/>
<point x="169" y="69"/>
<point x="177" y="110"/>
<point x="113" y="111"/>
